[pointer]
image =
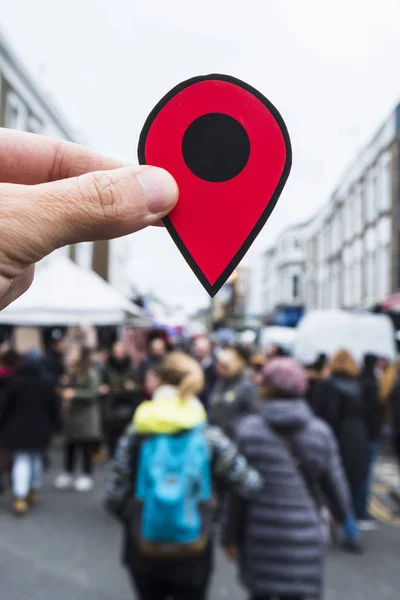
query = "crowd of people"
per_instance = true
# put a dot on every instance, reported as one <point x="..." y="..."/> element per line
<point x="203" y="438"/>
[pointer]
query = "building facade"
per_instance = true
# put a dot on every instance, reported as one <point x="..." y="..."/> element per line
<point x="347" y="256"/>
<point x="283" y="281"/>
<point x="25" y="107"/>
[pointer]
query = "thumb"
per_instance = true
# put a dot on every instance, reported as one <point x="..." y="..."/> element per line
<point x="37" y="219"/>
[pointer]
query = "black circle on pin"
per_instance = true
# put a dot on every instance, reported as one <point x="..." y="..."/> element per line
<point x="216" y="147"/>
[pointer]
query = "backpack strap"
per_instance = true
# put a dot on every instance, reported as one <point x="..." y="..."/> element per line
<point x="301" y="464"/>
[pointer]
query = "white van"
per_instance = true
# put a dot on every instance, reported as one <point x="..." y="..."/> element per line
<point x="327" y="331"/>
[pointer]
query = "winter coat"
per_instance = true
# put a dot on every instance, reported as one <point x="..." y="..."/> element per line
<point x="31" y="411"/>
<point x="5" y="379"/>
<point x="338" y="401"/>
<point x="210" y="379"/>
<point x="279" y="534"/>
<point x="394" y="408"/>
<point x="373" y="407"/>
<point x="231" y="400"/>
<point x="120" y="404"/>
<point x="313" y="378"/>
<point x="166" y="414"/>
<point x="82" y="421"/>
<point x="53" y="367"/>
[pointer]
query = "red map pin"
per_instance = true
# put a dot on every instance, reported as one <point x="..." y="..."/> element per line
<point x="229" y="150"/>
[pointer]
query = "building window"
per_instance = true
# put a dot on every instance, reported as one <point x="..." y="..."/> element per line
<point x="375" y="192"/>
<point x="371" y="198"/>
<point x="16" y="112"/>
<point x="385" y="202"/>
<point x="357" y="211"/>
<point x="295" y="287"/>
<point x="297" y="243"/>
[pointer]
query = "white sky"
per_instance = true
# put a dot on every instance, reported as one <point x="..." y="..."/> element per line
<point x="331" y="68"/>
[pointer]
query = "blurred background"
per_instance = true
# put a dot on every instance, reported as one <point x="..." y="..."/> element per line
<point x="324" y="273"/>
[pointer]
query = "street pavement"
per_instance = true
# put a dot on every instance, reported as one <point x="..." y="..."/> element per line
<point x="68" y="549"/>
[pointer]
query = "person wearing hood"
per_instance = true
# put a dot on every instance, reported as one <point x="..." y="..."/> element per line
<point x="234" y="395"/>
<point x="338" y="400"/>
<point x="118" y="395"/>
<point x="175" y="417"/>
<point x="278" y="538"/>
<point x="30" y="418"/>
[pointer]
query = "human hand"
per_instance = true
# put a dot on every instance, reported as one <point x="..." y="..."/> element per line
<point x="104" y="389"/>
<point x="68" y="394"/>
<point x="129" y="385"/>
<point x="54" y="193"/>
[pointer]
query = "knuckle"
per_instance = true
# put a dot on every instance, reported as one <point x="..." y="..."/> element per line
<point x="59" y="159"/>
<point x="105" y="196"/>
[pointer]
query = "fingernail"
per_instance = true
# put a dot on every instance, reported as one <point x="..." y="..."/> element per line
<point x="160" y="188"/>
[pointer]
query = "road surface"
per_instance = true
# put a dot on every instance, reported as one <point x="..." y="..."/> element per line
<point x="68" y="549"/>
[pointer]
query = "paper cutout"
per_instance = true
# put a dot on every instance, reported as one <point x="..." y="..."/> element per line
<point x="229" y="150"/>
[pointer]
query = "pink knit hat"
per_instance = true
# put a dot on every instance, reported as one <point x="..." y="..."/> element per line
<point x="285" y="376"/>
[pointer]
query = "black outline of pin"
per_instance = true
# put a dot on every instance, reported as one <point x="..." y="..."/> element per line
<point x="212" y="289"/>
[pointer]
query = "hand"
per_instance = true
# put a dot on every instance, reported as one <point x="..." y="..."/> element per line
<point x="232" y="553"/>
<point x="104" y="389"/>
<point x="54" y="193"/>
<point x="129" y="385"/>
<point x="68" y="394"/>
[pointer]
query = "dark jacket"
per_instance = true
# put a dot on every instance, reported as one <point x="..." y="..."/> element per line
<point x="53" y="367"/>
<point x="227" y="465"/>
<point x="339" y="402"/>
<point x="6" y="375"/>
<point x="313" y="379"/>
<point x="372" y="405"/>
<point x="279" y="534"/>
<point x="120" y="404"/>
<point x="82" y="421"/>
<point x="210" y="379"/>
<point x="231" y="400"/>
<point x="394" y="407"/>
<point x="31" y="411"/>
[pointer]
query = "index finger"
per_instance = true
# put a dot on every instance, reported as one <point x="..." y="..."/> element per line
<point x="30" y="159"/>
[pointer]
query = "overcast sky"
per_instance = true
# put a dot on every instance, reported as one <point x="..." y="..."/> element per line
<point x="332" y="69"/>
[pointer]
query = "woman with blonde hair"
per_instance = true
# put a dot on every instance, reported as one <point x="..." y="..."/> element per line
<point x="339" y="402"/>
<point x="160" y="485"/>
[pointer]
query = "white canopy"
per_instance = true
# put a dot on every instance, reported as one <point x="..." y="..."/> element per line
<point x="65" y="294"/>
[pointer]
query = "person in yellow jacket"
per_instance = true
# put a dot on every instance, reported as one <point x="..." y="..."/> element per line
<point x="174" y="411"/>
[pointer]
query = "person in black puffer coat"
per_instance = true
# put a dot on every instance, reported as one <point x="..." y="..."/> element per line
<point x="278" y="537"/>
<point x="338" y="400"/>
<point x="30" y="417"/>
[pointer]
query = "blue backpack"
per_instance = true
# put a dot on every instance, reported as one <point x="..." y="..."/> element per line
<point x="173" y="489"/>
